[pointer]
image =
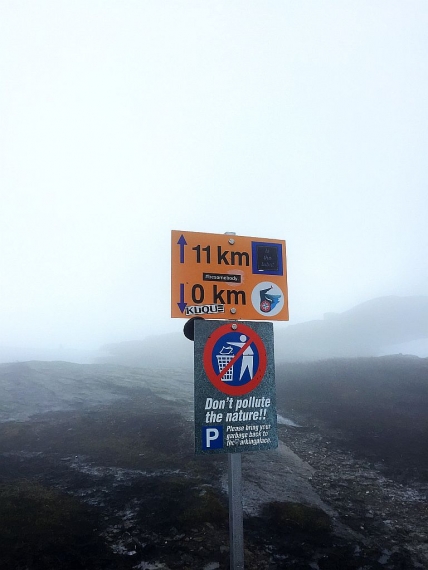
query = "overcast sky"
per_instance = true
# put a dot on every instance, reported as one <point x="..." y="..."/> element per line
<point x="122" y="120"/>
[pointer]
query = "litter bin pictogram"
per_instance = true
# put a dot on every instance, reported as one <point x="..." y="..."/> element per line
<point x="223" y="358"/>
<point x="234" y="359"/>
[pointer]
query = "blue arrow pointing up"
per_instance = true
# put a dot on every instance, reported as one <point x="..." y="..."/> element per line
<point x="182" y="242"/>
<point x="182" y="305"/>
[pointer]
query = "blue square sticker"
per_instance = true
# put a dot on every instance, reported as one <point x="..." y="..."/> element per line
<point x="212" y="437"/>
<point x="267" y="258"/>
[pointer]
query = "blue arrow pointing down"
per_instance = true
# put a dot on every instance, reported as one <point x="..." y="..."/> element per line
<point x="182" y="305"/>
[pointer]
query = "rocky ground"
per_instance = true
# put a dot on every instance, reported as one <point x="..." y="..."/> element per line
<point x="384" y="515"/>
<point x="109" y="479"/>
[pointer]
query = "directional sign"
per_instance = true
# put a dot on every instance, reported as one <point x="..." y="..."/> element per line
<point x="220" y="276"/>
<point x="235" y="408"/>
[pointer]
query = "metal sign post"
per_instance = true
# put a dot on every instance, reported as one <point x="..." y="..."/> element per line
<point x="236" y="520"/>
<point x="236" y="515"/>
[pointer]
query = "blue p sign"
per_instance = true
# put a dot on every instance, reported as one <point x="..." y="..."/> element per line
<point x="212" y="437"/>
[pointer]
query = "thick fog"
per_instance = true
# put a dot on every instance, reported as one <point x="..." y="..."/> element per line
<point x="121" y="121"/>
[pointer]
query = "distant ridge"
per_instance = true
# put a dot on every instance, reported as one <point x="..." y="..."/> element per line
<point x="368" y="329"/>
<point x="159" y="351"/>
<point x="372" y="328"/>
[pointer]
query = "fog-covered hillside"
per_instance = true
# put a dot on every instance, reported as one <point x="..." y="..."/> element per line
<point x="28" y="388"/>
<point x="382" y="326"/>
<point x="387" y="325"/>
<point x="171" y="350"/>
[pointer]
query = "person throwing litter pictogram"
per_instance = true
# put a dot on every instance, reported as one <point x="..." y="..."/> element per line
<point x="247" y="357"/>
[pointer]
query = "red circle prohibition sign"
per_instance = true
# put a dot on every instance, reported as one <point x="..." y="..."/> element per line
<point x="216" y="378"/>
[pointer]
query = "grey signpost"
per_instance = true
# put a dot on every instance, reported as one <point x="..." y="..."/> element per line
<point x="236" y="518"/>
<point x="235" y="403"/>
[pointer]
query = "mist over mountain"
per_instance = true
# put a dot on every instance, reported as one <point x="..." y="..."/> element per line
<point x="166" y="351"/>
<point x="386" y="325"/>
<point x="378" y="327"/>
<point x="26" y="353"/>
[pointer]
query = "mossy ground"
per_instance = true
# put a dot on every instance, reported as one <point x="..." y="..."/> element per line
<point x="173" y="502"/>
<point x="42" y="528"/>
<point x="77" y="486"/>
<point x="174" y="512"/>
<point x="140" y="433"/>
<point x="377" y="406"/>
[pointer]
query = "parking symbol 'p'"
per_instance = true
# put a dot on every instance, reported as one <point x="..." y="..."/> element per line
<point x="212" y="437"/>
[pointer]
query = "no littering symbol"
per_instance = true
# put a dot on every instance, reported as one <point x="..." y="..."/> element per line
<point x="235" y="359"/>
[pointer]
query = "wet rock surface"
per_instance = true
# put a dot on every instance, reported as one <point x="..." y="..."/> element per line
<point x="116" y="484"/>
<point x="382" y="514"/>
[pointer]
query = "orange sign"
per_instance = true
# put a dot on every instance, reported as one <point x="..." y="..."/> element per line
<point x="222" y="276"/>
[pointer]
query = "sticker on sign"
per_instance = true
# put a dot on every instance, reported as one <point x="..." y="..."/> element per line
<point x="203" y="310"/>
